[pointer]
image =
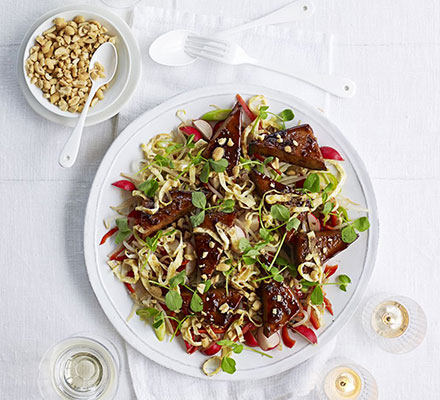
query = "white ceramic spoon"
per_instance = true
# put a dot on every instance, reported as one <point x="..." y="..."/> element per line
<point x="168" y="49"/>
<point x="107" y="56"/>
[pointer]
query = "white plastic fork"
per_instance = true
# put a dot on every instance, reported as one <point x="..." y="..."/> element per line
<point x="229" y="52"/>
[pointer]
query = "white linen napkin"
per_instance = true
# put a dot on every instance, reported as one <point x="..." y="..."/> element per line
<point x="283" y="44"/>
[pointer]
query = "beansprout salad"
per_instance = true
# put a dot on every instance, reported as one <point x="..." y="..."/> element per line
<point x="225" y="237"/>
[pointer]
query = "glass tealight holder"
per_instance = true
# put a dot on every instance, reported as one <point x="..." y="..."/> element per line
<point x="81" y="367"/>
<point x="397" y="324"/>
<point x="343" y="379"/>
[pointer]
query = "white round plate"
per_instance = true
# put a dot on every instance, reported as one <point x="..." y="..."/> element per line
<point x="357" y="261"/>
<point x="122" y="86"/>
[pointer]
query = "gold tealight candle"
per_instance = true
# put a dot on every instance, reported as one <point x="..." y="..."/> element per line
<point x="397" y="324"/>
<point x="345" y="380"/>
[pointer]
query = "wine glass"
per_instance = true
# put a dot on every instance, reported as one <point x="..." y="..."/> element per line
<point x="397" y="324"/>
<point x="83" y="366"/>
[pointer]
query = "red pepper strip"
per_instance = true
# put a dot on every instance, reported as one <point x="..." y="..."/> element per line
<point x="328" y="305"/>
<point x="246" y="109"/>
<point x="212" y="349"/>
<point x="190" y="130"/>
<point x="134" y="214"/>
<point x="129" y="287"/>
<point x="332" y="222"/>
<point x="314" y="320"/>
<point x="121" y="258"/>
<point x="330" y="153"/>
<point x="250" y="340"/>
<point x="287" y="340"/>
<point x="119" y="251"/>
<point x="182" y="266"/>
<point x="189" y="347"/>
<point x="124" y="185"/>
<point x="116" y="253"/>
<point x="110" y="233"/>
<point x="261" y="158"/>
<point x="329" y="270"/>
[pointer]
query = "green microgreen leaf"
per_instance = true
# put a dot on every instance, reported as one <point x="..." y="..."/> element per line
<point x="228" y="365"/>
<point x="265" y="234"/>
<point x="243" y="244"/>
<point x="281" y="261"/>
<point x="361" y="224"/>
<point x="327" y="207"/>
<point x="348" y="234"/>
<point x="178" y="279"/>
<point x="123" y="230"/>
<point x="198" y="199"/>
<point x="173" y="300"/>
<point x="163" y="161"/>
<point x="249" y="260"/>
<point x="172" y="148"/>
<point x="207" y="284"/>
<point x="280" y="212"/>
<point x="238" y="349"/>
<point x="292" y="270"/>
<point x="204" y="174"/>
<point x="226" y="342"/>
<point x="268" y="160"/>
<point x="196" y="303"/>
<point x="216" y="115"/>
<point x="317" y="297"/>
<point x="344" y="280"/>
<point x="227" y="206"/>
<point x="220" y="165"/>
<point x="146" y="313"/>
<point x="149" y="187"/>
<point x="197" y="219"/>
<point x="312" y="183"/>
<point x="286" y="115"/>
<point x="190" y="141"/>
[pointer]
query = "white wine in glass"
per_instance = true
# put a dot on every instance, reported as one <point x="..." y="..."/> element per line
<point x="80" y="367"/>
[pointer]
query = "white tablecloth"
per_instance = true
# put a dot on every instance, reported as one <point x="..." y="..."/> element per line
<point x="390" y="48"/>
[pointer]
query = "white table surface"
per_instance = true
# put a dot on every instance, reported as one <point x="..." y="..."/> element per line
<point x="391" y="48"/>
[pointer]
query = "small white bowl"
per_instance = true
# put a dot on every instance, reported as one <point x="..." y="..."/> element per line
<point x="116" y="86"/>
<point x="120" y="89"/>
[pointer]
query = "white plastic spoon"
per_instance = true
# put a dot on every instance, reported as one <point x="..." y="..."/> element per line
<point x="168" y="49"/>
<point x="107" y="56"/>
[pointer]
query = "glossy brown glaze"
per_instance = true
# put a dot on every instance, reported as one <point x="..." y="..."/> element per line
<point x="212" y="301"/>
<point x="207" y="249"/>
<point x="180" y="205"/>
<point x="228" y="137"/>
<point x="263" y="184"/>
<point x="328" y="244"/>
<point x="279" y="305"/>
<point x="297" y="146"/>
